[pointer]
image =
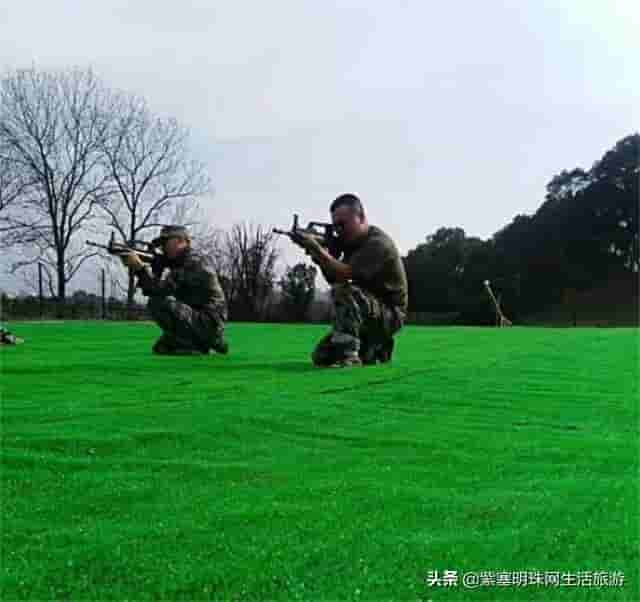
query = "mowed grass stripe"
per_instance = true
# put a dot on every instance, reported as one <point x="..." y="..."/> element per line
<point x="257" y="476"/>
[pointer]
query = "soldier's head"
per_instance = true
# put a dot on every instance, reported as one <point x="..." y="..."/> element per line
<point x="348" y="217"/>
<point x="174" y="241"/>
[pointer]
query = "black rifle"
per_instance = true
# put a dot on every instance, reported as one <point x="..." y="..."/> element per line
<point x="323" y="232"/>
<point x="147" y="252"/>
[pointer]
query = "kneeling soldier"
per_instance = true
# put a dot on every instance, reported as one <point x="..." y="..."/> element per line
<point x="369" y="288"/>
<point x="8" y="338"/>
<point x="189" y="303"/>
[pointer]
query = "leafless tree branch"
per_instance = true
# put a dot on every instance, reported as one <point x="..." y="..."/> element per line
<point x="52" y="128"/>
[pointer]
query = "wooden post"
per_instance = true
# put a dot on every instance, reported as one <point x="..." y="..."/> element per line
<point x="104" y="299"/>
<point x="40" y="289"/>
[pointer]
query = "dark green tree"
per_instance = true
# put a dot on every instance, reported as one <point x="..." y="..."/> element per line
<point x="298" y="286"/>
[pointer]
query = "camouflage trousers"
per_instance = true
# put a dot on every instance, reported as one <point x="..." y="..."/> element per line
<point x="362" y="324"/>
<point x="185" y="327"/>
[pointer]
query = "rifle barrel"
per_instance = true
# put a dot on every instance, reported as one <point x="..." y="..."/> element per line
<point x="119" y="249"/>
<point x="95" y="244"/>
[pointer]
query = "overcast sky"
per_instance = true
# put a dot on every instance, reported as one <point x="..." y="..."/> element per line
<point x="436" y="114"/>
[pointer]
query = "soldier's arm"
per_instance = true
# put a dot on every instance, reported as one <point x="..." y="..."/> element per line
<point x="332" y="269"/>
<point x="153" y="286"/>
<point x="329" y="277"/>
<point x="199" y="275"/>
<point x="202" y="276"/>
<point x="371" y="259"/>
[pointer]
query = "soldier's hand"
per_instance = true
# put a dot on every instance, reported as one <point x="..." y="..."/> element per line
<point x="132" y="261"/>
<point x="308" y="243"/>
<point x="296" y="238"/>
<point x="157" y="265"/>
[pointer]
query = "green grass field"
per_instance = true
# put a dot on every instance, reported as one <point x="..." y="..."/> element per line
<point x="258" y="477"/>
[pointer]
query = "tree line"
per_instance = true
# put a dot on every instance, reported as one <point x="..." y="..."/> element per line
<point x="583" y="236"/>
<point x="78" y="159"/>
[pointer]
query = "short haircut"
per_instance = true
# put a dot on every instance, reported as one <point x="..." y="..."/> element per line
<point x="348" y="200"/>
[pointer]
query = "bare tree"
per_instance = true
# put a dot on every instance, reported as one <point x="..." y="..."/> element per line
<point x="10" y="181"/>
<point x="245" y="259"/>
<point x="212" y="243"/>
<point x="206" y="238"/>
<point x="149" y="164"/>
<point x="52" y="128"/>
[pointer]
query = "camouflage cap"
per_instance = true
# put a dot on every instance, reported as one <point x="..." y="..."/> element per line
<point x="170" y="232"/>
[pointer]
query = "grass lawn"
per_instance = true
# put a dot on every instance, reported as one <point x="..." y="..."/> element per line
<point x="258" y="477"/>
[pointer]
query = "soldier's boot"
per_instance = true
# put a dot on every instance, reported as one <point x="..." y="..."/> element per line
<point x="368" y="355"/>
<point x="165" y="345"/>
<point x="384" y="352"/>
<point x="221" y="346"/>
<point x="372" y="352"/>
<point x="350" y="360"/>
<point x="168" y="345"/>
<point x="7" y="338"/>
<point x="325" y="353"/>
<point x="186" y="351"/>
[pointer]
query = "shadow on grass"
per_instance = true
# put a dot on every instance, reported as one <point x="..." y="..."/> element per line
<point x="302" y="366"/>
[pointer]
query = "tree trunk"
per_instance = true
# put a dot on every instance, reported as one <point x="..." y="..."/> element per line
<point x="131" y="291"/>
<point x="61" y="290"/>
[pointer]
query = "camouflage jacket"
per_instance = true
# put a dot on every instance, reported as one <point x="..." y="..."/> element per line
<point x="377" y="268"/>
<point x="191" y="279"/>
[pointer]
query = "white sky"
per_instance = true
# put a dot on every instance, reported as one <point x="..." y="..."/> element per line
<point x="436" y="114"/>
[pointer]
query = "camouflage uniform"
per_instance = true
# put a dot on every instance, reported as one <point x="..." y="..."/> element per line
<point x="370" y="309"/>
<point x="188" y="304"/>
<point x="8" y="338"/>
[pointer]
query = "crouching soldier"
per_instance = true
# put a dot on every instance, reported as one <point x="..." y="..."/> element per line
<point x="188" y="303"/>
<point x="369" y="288"/>
<point x="8" y="338"/>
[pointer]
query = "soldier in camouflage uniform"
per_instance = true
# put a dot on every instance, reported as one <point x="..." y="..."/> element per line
<point x="8" y="338"/>
<point x="369" y="288"/>
<point x="188" y="303"/>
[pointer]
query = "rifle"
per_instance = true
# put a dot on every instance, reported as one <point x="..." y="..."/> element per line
<point x="323" y="232"/>
<point x="147" y="252"/>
